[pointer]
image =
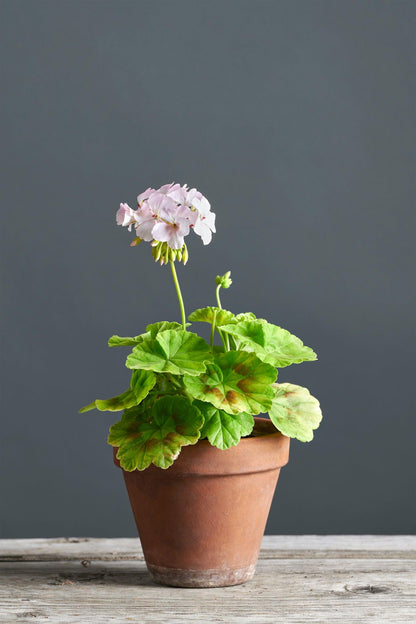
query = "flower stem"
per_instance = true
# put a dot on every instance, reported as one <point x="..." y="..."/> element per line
<point x="217" y="294"/>
<point x="214" y="320"/>
<point x="178" y="292"/>
<point x="223" y="335"/>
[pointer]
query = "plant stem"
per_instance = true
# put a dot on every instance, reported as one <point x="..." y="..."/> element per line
<point x="223" y="337"/>
<point x="224" y="344"/>
<point x="217" y="294"/>
<point x="178" y="292"/>
<point x="213" y="330"/>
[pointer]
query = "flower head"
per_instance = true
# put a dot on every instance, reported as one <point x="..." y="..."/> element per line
<point x="167" y="214"/>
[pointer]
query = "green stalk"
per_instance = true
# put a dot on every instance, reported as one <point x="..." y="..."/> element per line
<point x="217" y="294"/>
<point x="224" y="337"/>
<point x="178" y="292"/>
<point x="214" y="320"/>
<point x="224" y="344"/>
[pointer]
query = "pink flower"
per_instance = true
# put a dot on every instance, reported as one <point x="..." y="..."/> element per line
<point x="148" y="215"/>
<point x="125" y="216"/>
<point x="178" y="193"/>
<point x="167" y="214"/>
<point x="205" y="221"/>
<point x="145" y="222"/>
<point x="167" y="189"/>
<point x="191" y="195"/>
<point x="173" y="225"/>
<point x="145" y="195"/>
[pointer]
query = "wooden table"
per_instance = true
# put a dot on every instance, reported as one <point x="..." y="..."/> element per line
<point x="305" y="578"/>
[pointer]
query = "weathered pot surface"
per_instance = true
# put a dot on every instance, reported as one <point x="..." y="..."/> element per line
<point x="202" y="520"/>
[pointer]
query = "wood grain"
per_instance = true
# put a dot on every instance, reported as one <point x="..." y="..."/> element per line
<point x="299" y="579"/>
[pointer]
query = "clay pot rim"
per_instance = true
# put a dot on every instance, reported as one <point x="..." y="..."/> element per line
<point x="258" y="420"/>
<point x="260" y="453"/>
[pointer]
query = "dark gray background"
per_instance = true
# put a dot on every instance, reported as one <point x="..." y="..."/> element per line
<point x="297" y="120"/>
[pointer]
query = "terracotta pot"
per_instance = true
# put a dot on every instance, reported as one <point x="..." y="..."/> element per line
<point x="202" y="520"/>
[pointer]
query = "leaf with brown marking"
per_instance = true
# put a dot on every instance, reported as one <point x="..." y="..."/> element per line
<point x="237" y="381"/>
<point x="295" y="412"/>
<point x="141" y="383"/>
<point x="156" y="437"/>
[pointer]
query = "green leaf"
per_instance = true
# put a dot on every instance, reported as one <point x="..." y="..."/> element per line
<point x="155" y="328"/>
<point x="140" y="385"/>
<point x="295" y="412"/>
<point x="206" y="315"/>
<point x="115" y="404"/>
<point x="236" y="382"/>
<point x="171" y="351"/>
<point x="272" y="344"/>
<point x="245" y="316"/>
<point x="174" y="422"/>
<point x="126" y="341"/>
<point x="142" y="381"/>
<point x="224" y="430"/>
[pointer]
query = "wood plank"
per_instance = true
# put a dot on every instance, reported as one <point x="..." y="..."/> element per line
<point x="112" y="584"/>
<point x="69" y="548"/>
<point x="107" y="549"/>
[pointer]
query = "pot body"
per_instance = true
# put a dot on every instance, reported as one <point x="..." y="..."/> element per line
<point x="201" y="521"/>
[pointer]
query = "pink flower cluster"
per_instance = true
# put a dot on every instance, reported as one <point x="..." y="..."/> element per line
<point x="168" y="214"/>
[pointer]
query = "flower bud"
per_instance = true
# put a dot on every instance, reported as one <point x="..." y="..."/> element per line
<point x="224" y="281"/>
<point x="166" y="254"/>
<point x="156" y="251"/>
<point x="185" y="254"/>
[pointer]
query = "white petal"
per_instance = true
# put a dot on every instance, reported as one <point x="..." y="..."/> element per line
<point x="203" y="231"/>
<point x="176" y="240"/>
<point x="125" y="215"/>
<point x="162" y="232"/>
<point x="178" y="195"/>
<point x="209" y="219"/>
<point x="145" y="195"/>
<point x="182" y="226"/>
<point x="168" y="210"/>
<point x="167" y="233"/>
<point x="202" y="205"/>
<point x="145" y="229"/>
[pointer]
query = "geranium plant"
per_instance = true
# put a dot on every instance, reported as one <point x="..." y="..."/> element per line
<point x="182" y="388"/>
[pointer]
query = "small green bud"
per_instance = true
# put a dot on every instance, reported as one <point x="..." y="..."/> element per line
<point x="166" y="254"/>
<point x="224" y="281"/>
<point x="156" y="251"/>
<point x="185" y="254"/>
<point x="136" y="241"/>
<point x="179" y="255"/>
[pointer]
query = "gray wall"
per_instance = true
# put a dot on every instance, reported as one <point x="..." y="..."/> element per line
<point x="297" y="120"/>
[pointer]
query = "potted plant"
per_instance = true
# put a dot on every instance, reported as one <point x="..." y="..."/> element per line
<point x="200" y="466"/>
